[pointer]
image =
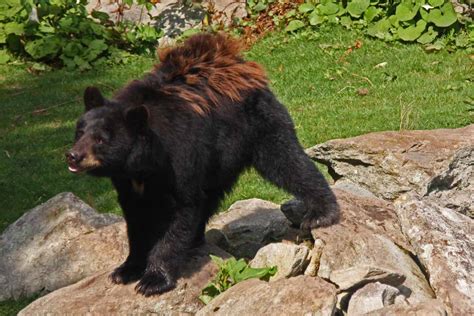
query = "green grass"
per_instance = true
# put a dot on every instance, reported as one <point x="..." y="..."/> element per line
<point x="307" y="74"/>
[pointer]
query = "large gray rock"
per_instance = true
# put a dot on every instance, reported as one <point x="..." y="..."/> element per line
<point x="247" y="226"/>
<point x="444" y="243"/>
<point x="391" y="163"/>
<point x="96" y="295"/>
<point x="368" y="245"/>
<point x="56" y="244"/>
<point x="428" y="308"/>
<point x="290" y="259"/>
<point x="302" y="295"/>
<point x="454" y="188"/>
<point x="373" y="296"/>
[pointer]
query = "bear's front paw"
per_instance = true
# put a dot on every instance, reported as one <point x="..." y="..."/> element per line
<point x="154" y="282"/>
<point x="126" y="273"/>
<point x="314" y="219"/>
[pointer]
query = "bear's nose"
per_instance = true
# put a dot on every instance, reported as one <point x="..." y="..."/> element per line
<point x="74" y="157"/>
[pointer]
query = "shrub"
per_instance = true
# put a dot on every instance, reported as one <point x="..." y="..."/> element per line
<point x="62" y="33"/>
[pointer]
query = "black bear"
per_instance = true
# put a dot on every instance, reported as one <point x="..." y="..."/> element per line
<point x="175" y="142"/>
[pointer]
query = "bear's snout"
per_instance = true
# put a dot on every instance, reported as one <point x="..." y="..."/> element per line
<point x="73" y="159"/>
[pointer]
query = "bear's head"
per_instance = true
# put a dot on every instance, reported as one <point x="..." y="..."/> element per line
<point x="107" y="134"/>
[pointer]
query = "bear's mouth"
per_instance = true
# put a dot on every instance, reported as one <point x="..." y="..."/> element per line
<point x="74" y="168"/>
<point x="79" y="168"/>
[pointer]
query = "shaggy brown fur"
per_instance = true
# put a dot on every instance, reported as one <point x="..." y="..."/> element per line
<point x="206" y="68"/>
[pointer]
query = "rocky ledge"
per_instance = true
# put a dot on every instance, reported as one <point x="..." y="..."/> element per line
<point x="404" y="245"/>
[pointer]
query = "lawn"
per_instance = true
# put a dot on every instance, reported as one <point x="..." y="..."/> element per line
<point x="330" y="91"/>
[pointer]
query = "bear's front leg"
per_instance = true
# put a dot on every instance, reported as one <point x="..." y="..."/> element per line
<point x="136" y="212"/>
<point x="169" y="253"/>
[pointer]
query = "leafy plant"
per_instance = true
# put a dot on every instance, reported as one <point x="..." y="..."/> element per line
<point x="62" y="33"/>
<point x="231" y="272"/>
<point x="423" y="21"/>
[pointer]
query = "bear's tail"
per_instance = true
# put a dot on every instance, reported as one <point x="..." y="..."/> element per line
<point x="207" y="67"/>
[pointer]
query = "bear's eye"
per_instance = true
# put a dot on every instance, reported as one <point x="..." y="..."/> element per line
<point x="79" y="134"/>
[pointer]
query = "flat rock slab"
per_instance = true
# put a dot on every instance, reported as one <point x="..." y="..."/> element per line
<point x="389" y="164"/>
<point x="56" y="244"/>
<point x="96" y="295"/>
<point x="247" y="226"/>
<point x="302" y="295"/>
<point x="428" y="308"/>
<point x="367" y="246"/>
<point x="444" y="243"/>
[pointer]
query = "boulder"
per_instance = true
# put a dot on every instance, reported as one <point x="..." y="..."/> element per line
<point x="290" y="259"/>
<point x="368" y="245"/>
<point x="428" y="308"/>
<point x="96" y="295"/>
<point x="444" y="243"/>
<point x="454" y="188"/>
<point x="389" y="164"/>
<point x="247" y="226"/>
<point x="302" y="295"/>
<point x="56" y="244"/>
<point x="371" y="297"/>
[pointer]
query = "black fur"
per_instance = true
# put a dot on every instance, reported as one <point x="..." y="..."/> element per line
<point x="172" y="166"/>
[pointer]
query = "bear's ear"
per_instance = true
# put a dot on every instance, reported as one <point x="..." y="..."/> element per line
<point x="93" y="98"/>
<point x="137" y="117"/>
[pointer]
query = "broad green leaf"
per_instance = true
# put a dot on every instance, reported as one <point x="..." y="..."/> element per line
<point x="217" y="260"/>
<point x="357" y="7"/>
<point x="259" y="7"/>
<point x="394" y="20"/>
<point x="4" y="57"/>
<point x="294" y="25"/>
<point x="98" y="45"/>
<point x="346" y="21"/>
<point x="306" y="7"/>
<point x="436" y="3"/>
<point x="290" y="13"/>
<point x="102" y="16"/>
<point x="73" y="48"/>
<point x="328" y="8"/>
<point x="406" y="11"/>
<point x="428" y="36"/>
<point x="380" y="29"/>
<point x="14" y="28"/>
<point x="315" y="18"/>
<point x="412" y="32"/>
<point x="443" y="17"/>
<point x="48" y="46"/>
<point x="257" y="273"/>
<point x="371" y="13"/>
<point x="46" y="28"/>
